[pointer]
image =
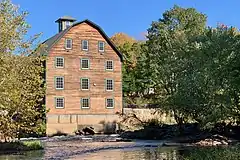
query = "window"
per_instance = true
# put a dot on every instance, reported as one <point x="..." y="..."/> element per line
<point x="109" y="85"/>
<point x="59" y="62"/>
<point x="84" y="83"/>
<point x="109" y="103"/>
<point x="84" y="63"/>
<point x="85" y="103"/>
<point x="59" y="102"/>
<point x="85" y="45"/>
<point x="68" y="43"/>
<point x="109" y="65"/>
<point x="68" y="24"/>
<point x="101" y="46"/>
<point x="59" y="82"/>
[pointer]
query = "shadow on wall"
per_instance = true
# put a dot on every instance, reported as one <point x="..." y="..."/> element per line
<point x="109" y="127"/>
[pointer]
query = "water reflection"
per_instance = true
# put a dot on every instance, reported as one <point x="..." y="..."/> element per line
<point x="31" y="155"/>
<point x="163" y="153"/>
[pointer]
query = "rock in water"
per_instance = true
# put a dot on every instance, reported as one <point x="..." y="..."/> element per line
<point x="89" y="130"/>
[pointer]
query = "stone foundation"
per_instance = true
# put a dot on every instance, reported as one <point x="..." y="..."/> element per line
<point x="70" y="123"/>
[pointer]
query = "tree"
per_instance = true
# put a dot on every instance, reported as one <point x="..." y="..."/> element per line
<point x="131" y="51"/>
<point x="119" y="39"/>
<point x="128" y="46"/>
<point x="219" y="54"/>
<point x="171" y="41"/>
<point x="209" y="89"/>
<point x="21" y="82"/>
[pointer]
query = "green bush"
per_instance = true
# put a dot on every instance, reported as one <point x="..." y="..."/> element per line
<point x="33" y="145"/>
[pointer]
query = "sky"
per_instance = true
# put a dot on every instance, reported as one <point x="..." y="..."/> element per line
<point x="132" y="17"/>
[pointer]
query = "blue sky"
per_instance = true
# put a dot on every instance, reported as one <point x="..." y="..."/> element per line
<point x="129" y="16"/>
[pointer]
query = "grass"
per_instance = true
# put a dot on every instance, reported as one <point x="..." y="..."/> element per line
<point x="7" y="147"/>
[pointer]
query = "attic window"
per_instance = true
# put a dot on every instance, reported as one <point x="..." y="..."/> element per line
<point x="85" y="45"/>
<point x="68" y="43"/>
<point x="101" y="46"/>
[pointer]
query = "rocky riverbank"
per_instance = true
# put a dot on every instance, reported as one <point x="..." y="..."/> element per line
<point x="189" y="134"/>
<point x="64" y="149"/>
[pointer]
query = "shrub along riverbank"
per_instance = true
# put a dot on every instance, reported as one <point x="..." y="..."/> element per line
<point x="9" y="147"/>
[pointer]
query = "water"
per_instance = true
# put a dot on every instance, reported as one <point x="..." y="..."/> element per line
<point x="31" y="155"/>
<point x="114" y="154"/>
<point x="76" y="150"/>
<point x="132" y="154"/>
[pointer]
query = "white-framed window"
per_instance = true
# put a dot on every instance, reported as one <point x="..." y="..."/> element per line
<point x="109" y="65"/>
<point x="68" y="43"/>
<point x="84" y="83"/>
<point x="59" y="82"/>
<point x="109" y="103"/>
<point x="85" y="103"/>
<point x="85" y="63"/>
<point x="109" y="84"/>
<point x="59" y="102"/>
<point x="85" y="45"/>
<point x="59" y="62"/>
<point x="101" y="46"/>
<point x="68" y="24"/>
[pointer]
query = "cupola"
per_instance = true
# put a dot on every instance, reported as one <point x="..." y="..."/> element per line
<point x="64" y="22"/>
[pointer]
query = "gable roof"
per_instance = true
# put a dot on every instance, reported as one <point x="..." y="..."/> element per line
<point x="53" y="40"/>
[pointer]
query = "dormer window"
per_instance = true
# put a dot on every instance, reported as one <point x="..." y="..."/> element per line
<point x="101" y="46"/>
<point x="68" y="43"/>
<point x="68" y="24"/>
<point x="85" y="45"/>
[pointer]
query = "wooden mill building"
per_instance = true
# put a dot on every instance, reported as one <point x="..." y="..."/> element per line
<point x="83" y="78"/>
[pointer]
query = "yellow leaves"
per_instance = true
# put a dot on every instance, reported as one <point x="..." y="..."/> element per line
<point x="22" y="90"/>
<point x="119" y="39"/>
<point x="13" y="28"/>
<point x="20" y="80"/>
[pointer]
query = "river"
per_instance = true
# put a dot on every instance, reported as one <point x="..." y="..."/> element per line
<point x="139" y="153"/>
<point x="140" y="150"/>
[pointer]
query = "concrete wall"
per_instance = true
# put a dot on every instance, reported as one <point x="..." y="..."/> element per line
<point x="147" y="114"/>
